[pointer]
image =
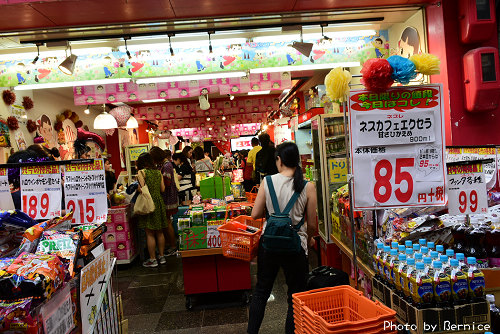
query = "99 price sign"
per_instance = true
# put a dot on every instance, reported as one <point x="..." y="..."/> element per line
<point x="467" y="189"/>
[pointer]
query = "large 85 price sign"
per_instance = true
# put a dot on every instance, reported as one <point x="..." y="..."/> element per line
<point x="85" y="192"/>
<point x="397" y="147"/>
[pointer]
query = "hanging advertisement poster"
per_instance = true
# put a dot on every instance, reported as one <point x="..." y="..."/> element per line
<point x="85" y="192"/>
<point x="397" y="147"/>
<point x="41" y="191"/>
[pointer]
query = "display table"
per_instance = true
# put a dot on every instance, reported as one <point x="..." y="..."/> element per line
<point x="206" y="270"/>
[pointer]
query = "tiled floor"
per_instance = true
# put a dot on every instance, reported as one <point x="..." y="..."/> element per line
<point x="154" y="302"/>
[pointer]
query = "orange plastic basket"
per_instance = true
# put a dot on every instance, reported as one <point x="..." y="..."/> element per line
<point x="252" y="194"/>
<point x="236" y="243"/>
<point x="247" y="220"/>
<point x="340" y="309"/>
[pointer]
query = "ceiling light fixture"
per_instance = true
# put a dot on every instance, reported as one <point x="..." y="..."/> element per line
<point x="105" y="121"/>
<point x="170" y="44"/>
<point x="72" y="84"/>
<point x="132" y="123"/>
<point x="87" y="110"/>
<point x="303" y="48"/>
<point x="210" y="50"/>
<point x="304" y="67"/>
<point x="326" y="38"/>
<point x="223" y="118"/>
<point x="38" y="54"/>
<point x="68" y="64"/>
<point x="208" y="119"/>
<point x="261" y="92"/>
<point x="189" y="77"/>
<point x="126" y="47"/>
<point x="153" y="100"/>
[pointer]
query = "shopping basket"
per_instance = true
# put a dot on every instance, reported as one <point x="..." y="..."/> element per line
<point x="237" y="242"/>
<point x="252" y="194"/>
<point x="247" y="220"/>
<point x="340" y="309"/>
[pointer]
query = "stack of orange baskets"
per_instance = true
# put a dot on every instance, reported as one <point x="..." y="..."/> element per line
<point x="236" y="241"/>
<point x="252" y="194"/>
<point x="340" y="310"/>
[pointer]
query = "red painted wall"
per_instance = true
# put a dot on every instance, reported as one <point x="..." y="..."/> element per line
<point x="462" y="127"/>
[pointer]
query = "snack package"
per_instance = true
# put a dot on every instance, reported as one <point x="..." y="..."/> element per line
<point x="32" y="235"/>
<point x="90" y="232"/>
<point x="85" y="249"/>
<point x="31" y="275"/>
<point x="64" y="244"/>
<point x="16" y="218"/>
<point x="15" y="317"/>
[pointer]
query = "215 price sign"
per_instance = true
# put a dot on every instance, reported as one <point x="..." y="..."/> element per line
<point x="41" y="191"/>
<point x="397" y="147"/>
<point x="85" y="192"/>
<point x="467" y="189"/>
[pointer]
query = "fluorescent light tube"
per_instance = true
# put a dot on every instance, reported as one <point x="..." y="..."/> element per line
<point x="303" y="67"/>
<point x="260" y="92"/>
<point x="153" y="100"/>
<point x="72" y="84"/>
<point x="189" y="77"/>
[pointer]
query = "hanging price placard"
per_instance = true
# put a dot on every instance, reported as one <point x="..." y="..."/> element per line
<point x="467" y="189"/>
<point x="85" y="192"/>
<point x="213" y="235"/>
<point x="397" y="147"/>
<point x="5" y="196"/>
<point x="41" y="191"/>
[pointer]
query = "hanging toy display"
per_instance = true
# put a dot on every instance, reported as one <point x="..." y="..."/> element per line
<point x="337" y="84"/>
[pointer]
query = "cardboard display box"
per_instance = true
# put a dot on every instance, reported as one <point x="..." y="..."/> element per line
<point x="193" y="238"/>
<point x="468" y="318"/>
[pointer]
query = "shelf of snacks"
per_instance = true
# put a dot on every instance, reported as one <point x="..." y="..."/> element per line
<point x="347" y="251"/>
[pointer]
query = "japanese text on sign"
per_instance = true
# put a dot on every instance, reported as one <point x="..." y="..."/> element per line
<point x="395" y="128"/>
<point x="41" y="192"/>
<point x="5" y="196"/>
<point x="466" y="189"/>
<point x="85" y="193"/>
<point x="477" y="153"/>
<point x="338" y="170"/>
<point x="397" y="147"/>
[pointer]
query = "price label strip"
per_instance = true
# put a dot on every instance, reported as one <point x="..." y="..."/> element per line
<point x="41" y="191"/>
<point x="397" y="147"/>
<point x="85" y="192"/>
<point x="467" y="189"/>
<point x="213" y="235"/>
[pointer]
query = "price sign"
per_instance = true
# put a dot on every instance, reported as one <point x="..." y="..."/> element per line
<point x="477" y="153"/>
<point x="213" y="236"/>
<point x="397" y="147"/>
<point x="57" y="313"/>
<point x="85" y="192"/>
<point x="41" y="191"/>
<point x="467" y="189"/>
<point x="5" y="196"/>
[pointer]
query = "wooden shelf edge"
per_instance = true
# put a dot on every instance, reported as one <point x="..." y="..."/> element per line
<point x="200" y="252"/>
<point x="346" y="250"/>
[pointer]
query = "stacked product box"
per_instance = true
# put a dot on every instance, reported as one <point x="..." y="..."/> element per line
<point x="120" y="237"/>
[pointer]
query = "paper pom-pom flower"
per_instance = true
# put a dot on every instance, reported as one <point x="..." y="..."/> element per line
<point x="12" y="123"/>
<point x="403" y="69"/>
<point x="337" y="84"/>
<point x="377" y="74"/>
<point x="58" y="126"/>
<point x="31" y="126"/>
<point x="9" y="97"/>
<point x="27" y="103"/>
<point x="426" y="63"/>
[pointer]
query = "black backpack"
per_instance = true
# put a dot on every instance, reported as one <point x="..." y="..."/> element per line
<point x="280" y="235"/>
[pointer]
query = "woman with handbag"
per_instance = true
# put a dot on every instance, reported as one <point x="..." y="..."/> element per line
<point x="151" y="186"/>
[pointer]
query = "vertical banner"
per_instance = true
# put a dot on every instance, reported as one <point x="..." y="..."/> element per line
<point x="94" y="277"/>
<point x="41" y="191"/>
<point x="85" y="192"/>
<point x="397" y="147"/>
<point x="467" y="189"/>
<point x="5" y="196"/>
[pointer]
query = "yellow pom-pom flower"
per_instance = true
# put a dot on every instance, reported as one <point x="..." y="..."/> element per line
<point x="426" y="63"/>
<point x="337" y="84"/>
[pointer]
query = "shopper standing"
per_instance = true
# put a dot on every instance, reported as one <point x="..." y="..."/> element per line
<point x="253" y="152"/>
<point x="170" y="196"/>
<point x="186" y="177"/>
<point x="155" y="222"/>
<point x="188" y="153"/>
<point x="202" y="164"/>
<point x="265" y="163"/>
<point x="295" y="265"/>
